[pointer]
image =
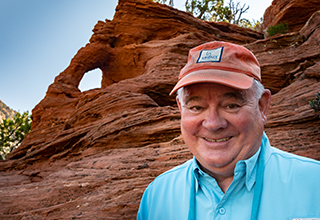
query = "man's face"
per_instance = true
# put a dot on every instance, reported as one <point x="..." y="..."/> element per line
<point x="222" y="125"/>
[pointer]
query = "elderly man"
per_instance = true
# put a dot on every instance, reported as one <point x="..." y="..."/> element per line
<point x="235" y="173"/>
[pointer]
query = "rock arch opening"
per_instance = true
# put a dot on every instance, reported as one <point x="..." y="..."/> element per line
<point x="91" y="80"/>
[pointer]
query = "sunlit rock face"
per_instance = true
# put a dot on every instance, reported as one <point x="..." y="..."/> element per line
<point x="91" y="154"/>
<point x="295" y="13"/>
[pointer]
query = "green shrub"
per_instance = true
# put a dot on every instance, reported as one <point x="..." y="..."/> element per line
<point x="278" y="29"/>
<point x="12" y="132"/>
<point x="315" y="103"/>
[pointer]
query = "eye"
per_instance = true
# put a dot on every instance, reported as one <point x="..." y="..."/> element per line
<point x="233" y="106"/>
<point x="196" y="108"/>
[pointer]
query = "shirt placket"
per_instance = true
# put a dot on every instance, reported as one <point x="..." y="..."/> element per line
<point x="224" y="208"/>
<point x="222" y="202"/>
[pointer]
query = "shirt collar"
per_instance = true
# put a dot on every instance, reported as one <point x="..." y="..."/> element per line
<point x="251" y="163"/>
<point x="251" y="169"/>
<point x="196" y="171"/>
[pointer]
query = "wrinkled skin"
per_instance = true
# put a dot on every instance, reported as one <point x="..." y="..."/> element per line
<point x="221" y="126"/>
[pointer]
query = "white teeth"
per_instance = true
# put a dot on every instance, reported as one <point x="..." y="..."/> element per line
<point x="218" y="140"/>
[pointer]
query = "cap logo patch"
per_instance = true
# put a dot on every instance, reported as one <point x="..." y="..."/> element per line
<point x="210" y="55"/>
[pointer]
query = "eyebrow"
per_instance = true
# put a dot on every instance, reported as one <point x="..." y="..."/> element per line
<point x="192" y="98"/>
<point x="237" y="95"/>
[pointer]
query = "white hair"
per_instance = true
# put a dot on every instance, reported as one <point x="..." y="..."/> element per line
<point x="256" y="86"/>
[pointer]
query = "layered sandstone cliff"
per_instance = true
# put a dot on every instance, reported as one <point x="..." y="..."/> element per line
<point x="91" y="154"/>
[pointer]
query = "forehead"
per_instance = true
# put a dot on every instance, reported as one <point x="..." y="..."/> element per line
<point x="212" y="90"/>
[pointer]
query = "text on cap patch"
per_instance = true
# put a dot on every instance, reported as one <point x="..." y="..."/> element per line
<point x="210" y="55"/>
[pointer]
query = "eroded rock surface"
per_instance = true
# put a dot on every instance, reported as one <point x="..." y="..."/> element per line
<point x="91" y="154"/>
<point x="295" y="13"/>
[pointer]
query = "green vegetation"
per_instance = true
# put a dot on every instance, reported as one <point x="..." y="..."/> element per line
<point x="207" y="9"/>
<point x="278" y="29"/>
<point x="315" y="103"/>
<point x="214" y="10"/>
<point x="12" y="132"/>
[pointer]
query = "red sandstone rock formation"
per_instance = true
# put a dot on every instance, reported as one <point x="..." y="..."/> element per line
<point x="91" y="154"/>
<point x="295" y="13"/>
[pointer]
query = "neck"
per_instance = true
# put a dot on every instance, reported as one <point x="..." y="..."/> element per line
<point x="224" y="181"/>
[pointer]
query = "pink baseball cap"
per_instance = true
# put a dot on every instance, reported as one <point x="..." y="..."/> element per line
<point x="220" y="62"/>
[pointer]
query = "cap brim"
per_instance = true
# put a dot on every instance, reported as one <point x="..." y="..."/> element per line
<point x="228" y="78"/>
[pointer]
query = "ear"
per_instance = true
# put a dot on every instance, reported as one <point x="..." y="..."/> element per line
<point x="179" y="104"/>
<point x="264" y="104"/>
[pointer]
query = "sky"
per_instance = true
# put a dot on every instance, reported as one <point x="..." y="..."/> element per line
<point x="38" y="39"/>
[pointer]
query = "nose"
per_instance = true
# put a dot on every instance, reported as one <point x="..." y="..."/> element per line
<point x="214" y="121"/>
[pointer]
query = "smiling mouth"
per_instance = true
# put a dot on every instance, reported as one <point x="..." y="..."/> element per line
<point x="218" y="140"/>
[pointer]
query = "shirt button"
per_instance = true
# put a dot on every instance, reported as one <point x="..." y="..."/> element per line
<point x="222" y="211"/>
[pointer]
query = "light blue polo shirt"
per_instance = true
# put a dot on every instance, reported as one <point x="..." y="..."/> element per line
<point x="271" y="185"/>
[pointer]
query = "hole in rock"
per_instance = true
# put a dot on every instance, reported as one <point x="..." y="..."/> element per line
<point x="91" y="80"/>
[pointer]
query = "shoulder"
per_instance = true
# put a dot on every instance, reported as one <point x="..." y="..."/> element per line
<point x="283" y="159"/>
<point x="292" y="180"/>
<point x="162" y="198"/>
<point x="292" y="158"/>
<point x="173" y="183"/>
<point x="291" y="165"/>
